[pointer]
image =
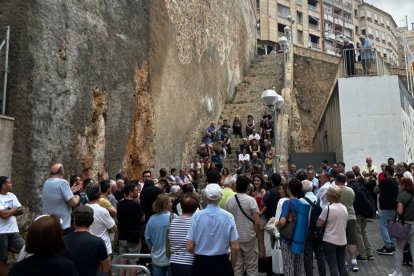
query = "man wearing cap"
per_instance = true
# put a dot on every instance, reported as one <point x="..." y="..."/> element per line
<point x="213" y="231"/>
<point x="57" y="197"/>
<point x="87" y="251"/>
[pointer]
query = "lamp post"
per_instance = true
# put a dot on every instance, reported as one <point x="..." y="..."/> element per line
<point x="291" y="21"/>
<point x="274" y="102"/>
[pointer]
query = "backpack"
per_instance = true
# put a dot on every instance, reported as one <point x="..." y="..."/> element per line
<point x="316" y="211"/>
<point x="364" y="203"/>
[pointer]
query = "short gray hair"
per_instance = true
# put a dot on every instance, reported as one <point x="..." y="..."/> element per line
<point x="307" y="186"/>
<point x="229" y="181"/>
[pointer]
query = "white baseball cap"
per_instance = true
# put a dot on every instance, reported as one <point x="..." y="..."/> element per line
<point x="213" y="191"/>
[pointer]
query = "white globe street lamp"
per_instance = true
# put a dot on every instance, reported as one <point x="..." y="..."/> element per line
<point x="274" y="102"/>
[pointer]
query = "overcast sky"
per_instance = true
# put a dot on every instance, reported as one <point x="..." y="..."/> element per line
<point x="397" y="8"/>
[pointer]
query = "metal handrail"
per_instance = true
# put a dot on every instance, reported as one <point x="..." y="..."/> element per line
<point x="6" y="68"/>
<point x="115" y="262"/>
<point x="372" y="64"/>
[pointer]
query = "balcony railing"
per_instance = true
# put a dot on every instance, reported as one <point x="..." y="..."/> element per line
<point x="313" y="26"/>
<point x="314" y="45"/>
<point x="363" y="62"/>
<point x="313" y="8"/>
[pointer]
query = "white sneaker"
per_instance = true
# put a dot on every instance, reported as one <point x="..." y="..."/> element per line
<point x="395" y="273"/>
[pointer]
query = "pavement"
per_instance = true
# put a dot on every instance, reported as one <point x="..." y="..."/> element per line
<point x="382" y="264"/>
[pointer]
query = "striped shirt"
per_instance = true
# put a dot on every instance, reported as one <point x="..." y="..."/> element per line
<point x="245" y="228"/>
<point x="178" y="238"/>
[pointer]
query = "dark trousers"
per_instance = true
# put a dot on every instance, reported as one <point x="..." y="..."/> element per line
<point x="212" y="265"/>
<point x="181" y="269"/>
<point x="312" y="246"/>
<point x="335" y="257"/>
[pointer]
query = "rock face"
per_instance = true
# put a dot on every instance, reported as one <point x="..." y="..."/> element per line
<point x="314" y="75"/>
<point x="105" y="86"/>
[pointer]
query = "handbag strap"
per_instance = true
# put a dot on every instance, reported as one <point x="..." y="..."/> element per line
<point x="241" y="209"/>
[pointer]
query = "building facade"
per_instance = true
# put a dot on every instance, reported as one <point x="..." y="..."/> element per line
<point x="381" y="29"/>
<point x="323" y="25"/>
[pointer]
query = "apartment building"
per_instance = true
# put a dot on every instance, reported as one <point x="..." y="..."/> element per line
<point x="274" y="15"/>
<point x="380" y="27"/>
<point x="337" y="24"/>
<point x="320" y="25"/>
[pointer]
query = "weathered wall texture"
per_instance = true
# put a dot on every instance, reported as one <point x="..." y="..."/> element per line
<point x="314" y="75"/>
<point x="71" y="85"/>
<point x="199" y="50"/>
<point x="104" y="86"/>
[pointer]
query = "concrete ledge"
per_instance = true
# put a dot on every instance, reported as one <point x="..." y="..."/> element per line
<point x="4" y="117"/>
<point x="6" y="144"/>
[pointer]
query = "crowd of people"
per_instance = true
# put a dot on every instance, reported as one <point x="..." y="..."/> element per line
<point x="227" y="224"/>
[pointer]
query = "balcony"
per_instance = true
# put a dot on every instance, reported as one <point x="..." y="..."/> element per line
<point x="338" y="22"/>
<point x="313" y="8"/>
<point x="314" y="45"/>
<point x="328" y="17"/>
<point x="314" y="26"/>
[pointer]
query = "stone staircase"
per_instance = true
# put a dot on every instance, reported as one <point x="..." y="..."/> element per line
<point x="265" y="72"/>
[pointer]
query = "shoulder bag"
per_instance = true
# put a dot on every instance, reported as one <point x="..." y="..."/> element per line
<point x="241" y="209"/>
<point x="167" y="240"/>
<point x="287" y="231"/>
<point x="398" y="228"/>
<point x="320" y="231"/>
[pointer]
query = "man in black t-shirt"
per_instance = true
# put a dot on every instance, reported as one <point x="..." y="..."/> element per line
<point x="388" y="192"/>
<point x="148" y="195"/>
<point x="130" y="221"/>
<point x="87" y="251"/>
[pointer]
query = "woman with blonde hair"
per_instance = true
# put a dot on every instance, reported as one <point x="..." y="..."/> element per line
<point x="334" y="218"/>
<point x="156" y="234"/>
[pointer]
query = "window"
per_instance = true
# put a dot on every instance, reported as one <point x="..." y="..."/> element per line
<point x="283" y="11"/>
<point x="363" y="32"/>
<point x="369" y="30"/>
<point x="382" y="35"/>
<point x="375" y="17"/>
<point x="369" y="14"/>
<point x="356" y="13"/>
<point x="300" y="36"/>
<point x="388" y="23"/>
<point x="357" y="30"/>
<point x="381" y="19"/>
<point x="377" y="33"/>
<point x="362" y="14"/>
<point x="257" y="5"/>
<point x="299" y="16"/>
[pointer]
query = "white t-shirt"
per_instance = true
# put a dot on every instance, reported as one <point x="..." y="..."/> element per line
<point x="335" y="231"/>
<point x="9" y="225"/>
<point x="102" y="221"/>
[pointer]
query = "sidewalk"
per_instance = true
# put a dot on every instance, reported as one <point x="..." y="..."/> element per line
<point x="382" y="264"/>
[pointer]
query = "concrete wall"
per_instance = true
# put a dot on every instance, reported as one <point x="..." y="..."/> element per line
<point x="328" y="136"/>
<point x="372" y="122"/>
<point x="407" y="116"/>
<point x="6" y="144"/>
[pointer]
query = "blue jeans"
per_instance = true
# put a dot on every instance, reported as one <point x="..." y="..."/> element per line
<point x="335" y="257"/>
<point x="384" y="216"/>
<point x="161" y="270"/>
